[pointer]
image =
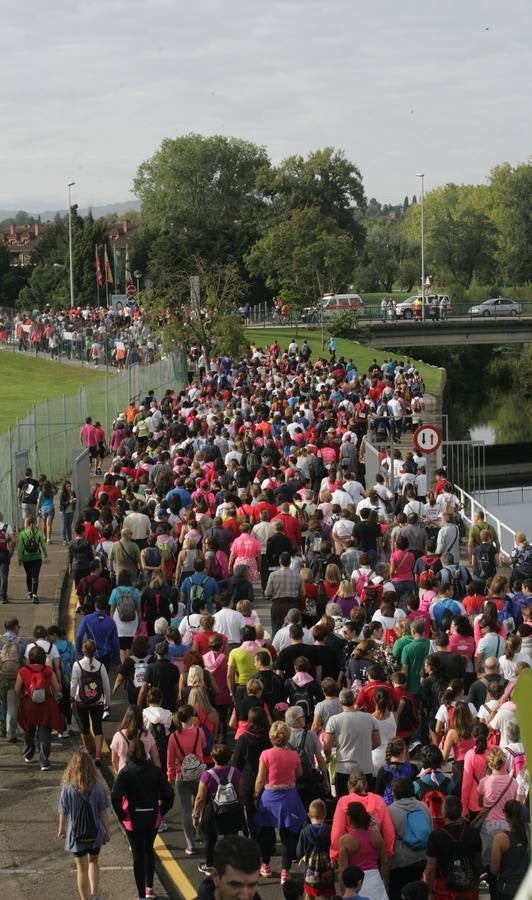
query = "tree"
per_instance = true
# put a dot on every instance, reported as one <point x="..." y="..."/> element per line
<point x="302" y="256"/>
<point x="510" y="206"/>
<point x="460" y="238"/>
<point x="208" y="320"/>
<point x="383" y="249"/>
<point x="325" y="180"/>
<point x="199" y="198"/>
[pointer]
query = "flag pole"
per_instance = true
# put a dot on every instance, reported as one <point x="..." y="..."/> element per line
<point x="97" y="276"/>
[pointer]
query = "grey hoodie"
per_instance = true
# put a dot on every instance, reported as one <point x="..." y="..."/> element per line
<point x="403" y="855"/>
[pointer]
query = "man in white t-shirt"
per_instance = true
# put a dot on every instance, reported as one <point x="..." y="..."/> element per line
<point x="229" y="622"/>
<point x="41" y="639"/>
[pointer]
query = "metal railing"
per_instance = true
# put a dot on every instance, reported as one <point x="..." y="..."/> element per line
<point x="470" y="506"/>
<point x="48" y="436"/>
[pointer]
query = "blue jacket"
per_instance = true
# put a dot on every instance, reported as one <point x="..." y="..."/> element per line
<point x="100" y="628"/>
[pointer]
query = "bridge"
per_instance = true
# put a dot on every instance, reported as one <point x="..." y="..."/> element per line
<point x="496" y="330"/>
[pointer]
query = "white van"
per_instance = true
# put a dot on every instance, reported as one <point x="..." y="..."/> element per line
<point x="336" y="303"/>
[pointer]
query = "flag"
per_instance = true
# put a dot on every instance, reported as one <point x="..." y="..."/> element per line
<point x="116" y="264"/>
<point x="108" y="273"/>
<point x="129" y="279"/>
<point x="99" y="273"/>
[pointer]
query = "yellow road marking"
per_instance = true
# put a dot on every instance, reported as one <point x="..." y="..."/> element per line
<point x="172" y="868"/>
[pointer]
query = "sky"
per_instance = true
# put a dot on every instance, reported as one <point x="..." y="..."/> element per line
<point x="90" y="89"/>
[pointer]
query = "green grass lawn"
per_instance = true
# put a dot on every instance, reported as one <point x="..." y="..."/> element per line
<point x="359" y="353"/>
<point x="28" y="381"/>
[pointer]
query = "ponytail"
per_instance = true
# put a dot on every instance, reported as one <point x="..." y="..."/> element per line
<point x="394" y="748"/>
<point x="381" y="698"/>
<point x="480" y="733"/>
<point x="456" y="687"/>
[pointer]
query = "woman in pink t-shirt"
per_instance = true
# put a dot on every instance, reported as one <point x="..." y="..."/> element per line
<point x="279" y="805"/>
<point x="493" y="791"/>
<point x="402" y="568"/>
<point x="131" y="727"/>
<point x="474" y="769"/>
<point x="461" y="640"/>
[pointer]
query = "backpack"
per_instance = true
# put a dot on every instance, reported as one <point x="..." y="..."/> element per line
<point x="37" y="686"/>
<point x="518" y="761"/>
<point x="371" y="597"/>
<point x="102" y="558"/>
<point x="139" y="670"/>
<point x="4" y="545"/>
<point x="209" y="737"/>
<point x="30" y="494"/>
<point x="458" y="583"/>
<point x="460" y="876"/>
<point x="395" y="770"/>
<point x="523" y="561"/>
<point x="486" y="565"/>
<point x="9" y="660"/>
<point x="222" y="565"/>
<point x="361" y="582"/>
<point x="90" y="688"/>
<point x="390" y="637"/>
<point x="319" y="872"/>
<point x="251" y="463"/>
<point x="90" y="595"/>
<point x="225" y="800"/>
<point x="444" y="612"/>
<point x="196" y="593"/>
<point x="84" y="825"/>
<point x="300" y="696"/>
<point x="125" y="605"/>
<point x="432" y="567"/>
<point x="406" y="715"/>
<point x="191" y="767"/>
<point x="417" y="829"/>
<point x="433" y="797"/>
<point x="31" y="544"/>
<point x="158" y="733"/>
<point x="67" y="652"/>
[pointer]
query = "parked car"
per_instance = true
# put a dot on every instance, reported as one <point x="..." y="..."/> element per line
<point x="405" y="309"/>
<point x="330" y="304"/>
<point x="497" y="306"/>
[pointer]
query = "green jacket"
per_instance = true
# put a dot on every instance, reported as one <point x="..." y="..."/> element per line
<point x="24" y="536"/>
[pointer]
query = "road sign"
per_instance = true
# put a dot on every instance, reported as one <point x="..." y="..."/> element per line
<point x="427" y="438"/>
<point x="131" y="289"/>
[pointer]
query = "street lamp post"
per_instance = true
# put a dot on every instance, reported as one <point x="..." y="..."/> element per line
<point x="138" y="276"/>
<point x="70" y="185"/>
<point x="422" y="176"/>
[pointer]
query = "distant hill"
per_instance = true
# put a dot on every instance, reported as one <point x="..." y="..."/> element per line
<point x="48" y="215"/>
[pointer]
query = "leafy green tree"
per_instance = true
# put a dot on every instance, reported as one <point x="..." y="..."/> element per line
<point x="199" y="198"/>
<point x="302" y="256"/>
<point x="510" y="202"/>
<point x="460" y="236"/>
<point x="208" y="320"/>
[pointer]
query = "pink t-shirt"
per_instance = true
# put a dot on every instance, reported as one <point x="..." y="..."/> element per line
<point x="89" y="435"/>
<point x="496" y="790"/>
<point x="405" y="569"/>
<point x="120" y="745"/>
<point x="281" y="765"/>
<point x="465" y="646"/>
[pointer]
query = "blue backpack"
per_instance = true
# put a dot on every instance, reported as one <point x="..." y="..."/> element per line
<point x="417" y="829"/>
<point x="68" y="655"/>
<point x="444" y="612"/>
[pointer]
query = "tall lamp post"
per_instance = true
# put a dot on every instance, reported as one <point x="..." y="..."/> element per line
<point x="70" y="185"/>
<point x="138" y="276"/>
<point x="422" y="176"/>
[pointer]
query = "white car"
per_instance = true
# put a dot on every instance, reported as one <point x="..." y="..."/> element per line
<point x="405" y="309"/>
<point x="497" y="306"/>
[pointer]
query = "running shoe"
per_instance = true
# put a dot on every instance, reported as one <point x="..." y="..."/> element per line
<point x="265" y="870"/>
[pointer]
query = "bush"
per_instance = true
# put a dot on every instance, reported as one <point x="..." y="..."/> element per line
<point x="346" y="325"/>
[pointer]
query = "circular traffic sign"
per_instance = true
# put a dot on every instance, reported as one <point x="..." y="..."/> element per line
<point x="427" y="438"/>
<point x="131" y="289"/>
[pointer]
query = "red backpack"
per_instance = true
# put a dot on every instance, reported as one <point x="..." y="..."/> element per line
<point x="434" y="796"/>
<point x="38" y="687"/>
<point x="390" y="637"/>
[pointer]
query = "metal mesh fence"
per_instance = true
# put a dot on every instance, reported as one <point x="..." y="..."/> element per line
<point x="49" y="434"/>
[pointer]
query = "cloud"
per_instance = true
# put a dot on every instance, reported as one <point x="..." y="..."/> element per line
<point x="90" y="90"/>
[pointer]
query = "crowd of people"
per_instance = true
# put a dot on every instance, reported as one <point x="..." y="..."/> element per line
<point x="95" y="335"/>
<point x="367" y="723"/>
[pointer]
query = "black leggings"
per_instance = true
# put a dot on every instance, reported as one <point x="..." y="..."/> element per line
<point x="141" y="843"/>
<point x="32" y="567"/>
<point x="266" y="842"/>
<point x="90" y="715"/>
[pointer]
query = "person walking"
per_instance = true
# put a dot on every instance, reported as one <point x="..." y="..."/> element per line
<point x="185" y="765"/>
<point x="7" y="547"/>
<point x="46" y="509"/>
<point x="67" y="507"/>
<point x="99" y="627"/>
<point x="32" y="552"/>
<point x="11" y="659"/>
<point x="90" y="692"/>
<point x="284" y="589"/>
<point x="37" y="688"/>
<point x="28" y="493"/>
<point x="355" y="734"/>
<point x="84" y="821"/>
<point x="125" y="606"/>
<point x="149" y="796"/>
